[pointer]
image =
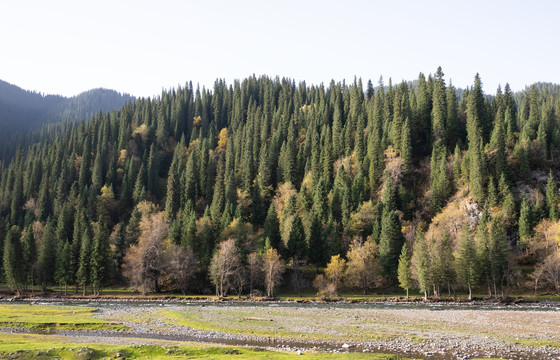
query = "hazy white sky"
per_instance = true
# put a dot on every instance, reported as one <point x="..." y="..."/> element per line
<point x="140" y="47"/>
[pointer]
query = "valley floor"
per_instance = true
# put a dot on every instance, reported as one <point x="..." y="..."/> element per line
<point x="316" y="330"/>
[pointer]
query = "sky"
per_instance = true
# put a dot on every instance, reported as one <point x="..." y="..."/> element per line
<point x="142" y="47"/>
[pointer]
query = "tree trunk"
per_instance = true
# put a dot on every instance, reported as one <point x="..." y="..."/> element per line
<point x="470" y="292"/>
<point x="406" y="294"/>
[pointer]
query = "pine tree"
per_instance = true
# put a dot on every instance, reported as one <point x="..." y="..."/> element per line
<point x="466" y="260"/>
<point x="153" y="171"/>
<point x="404" y="271"/>
<point x="446" y="262"/>
<point x="189" y="239"/>
<point x="139" y="192"/>
<point x="12" y="260"/>
<point x="297" y="247"/>
<point x="85" y="174"/>
<point x="272" y="228"/>
<point x="63" y="270"/>
<point x="499" y="255"/>
<point x="173" y="196"/>
<point x="47" y="256"/>
<point x="439" y="109"/>
<point x="390" y="242"/>
<point x="29" y="256"/>
<point x="452" y="117"/>
<point x="218" y="200"/>
<point x="317" y="246"/>
<point x="421" y="264"/>
<point x="492" y="192"/>
<point x="482" y="246"/>
<point x="475" y="132"/>
<point x="552" y="197"/>
<point x="97" y="174"/>
<point x="438" y="176"/>
<point x="83" y="273"/>
<point x="406" y="149"/>
<point x="525" y="221"/>
<point x="99" y="260"/>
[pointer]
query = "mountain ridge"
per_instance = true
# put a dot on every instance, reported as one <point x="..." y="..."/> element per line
<point x="22" y="110"/>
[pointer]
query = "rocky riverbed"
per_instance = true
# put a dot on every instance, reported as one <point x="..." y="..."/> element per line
<point x="416" y="331"/>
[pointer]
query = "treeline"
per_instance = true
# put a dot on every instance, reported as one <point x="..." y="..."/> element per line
<point x="226" y="190"/>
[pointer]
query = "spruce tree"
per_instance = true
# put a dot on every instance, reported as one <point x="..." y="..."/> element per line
<point x="466" y="264"/>
<point x="272" y="228"/>
<point x="97" y="173"/>
<point x="499" y="255"/>
<point x="29" y="256"/>
<point x="99" y="261"/>
<point x="173" y="196"/>
<point x="390" y="242"/>
<point x="83" y="273"/>
<point x="63" y="270"/>
<point x="297" y="246"/>
<point x="439" y="108"/>
<point x="317" y="246"/>
<point x="153" y="171"/>
<point x="452" y="117"/>
<point x="475" y="139"/>
<point x="47" y="256"/>
<point x="404" y="270"/>
<point x="421" y="264"/>
<point x="525" y="221"/>
<point x="12" y="260"/>
<point x="406" y="149"/>
<point x="552" y="197"/>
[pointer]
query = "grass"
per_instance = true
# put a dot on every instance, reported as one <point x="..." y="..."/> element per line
<point x="48" y="317"/>
<point x="38" y="347"/>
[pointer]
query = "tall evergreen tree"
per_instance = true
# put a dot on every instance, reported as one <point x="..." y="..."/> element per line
<point x="404" y="271"/>
<point x="552" y="197"/>
<point x="466" y="260"/>
<point x="29" y="256"/>
<point x="390" y="242"/>
<point x="100" y="257"/>
<point x="318" y="254"/>
<point x="47" y="256"/>
<point x="12" y="260"/>
<point x="83" y="273"/>
<point x="297" y="246"/>
<point x="525" y="223"/>
<point x="439" y="108"/>
<point x="272" y="228"/>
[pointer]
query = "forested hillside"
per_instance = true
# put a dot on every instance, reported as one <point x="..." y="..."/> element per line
<point x="22" y="110"/>
<point x="227" y="189"/>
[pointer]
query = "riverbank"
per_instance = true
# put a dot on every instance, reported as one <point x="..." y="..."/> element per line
<point x="553" y="301"/>
<point x="411" y="330"/>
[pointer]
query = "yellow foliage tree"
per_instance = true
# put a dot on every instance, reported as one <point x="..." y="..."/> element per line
<point x="223" y="138"/>
<point x="335" y="270"/>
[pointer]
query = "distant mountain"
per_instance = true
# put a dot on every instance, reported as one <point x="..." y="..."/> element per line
<point x="24" y="110"/>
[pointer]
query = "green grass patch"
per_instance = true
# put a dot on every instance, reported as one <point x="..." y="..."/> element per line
<point x="39" y="347"/>
<point x="49" y="318"/>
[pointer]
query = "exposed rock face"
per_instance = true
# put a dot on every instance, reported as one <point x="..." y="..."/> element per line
<point x="458" y="211"/>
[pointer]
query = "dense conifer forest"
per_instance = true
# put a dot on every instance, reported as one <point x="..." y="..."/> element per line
<point x="257" y="184"/>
